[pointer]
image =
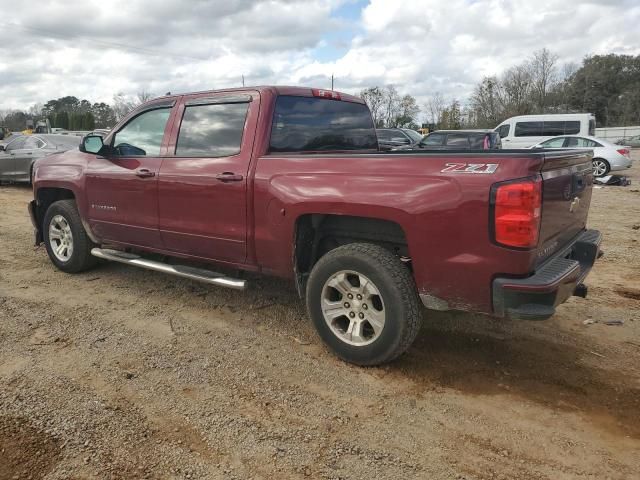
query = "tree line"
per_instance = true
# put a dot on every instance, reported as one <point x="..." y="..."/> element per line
<point x="72" y="113"/>
<point x="605" y="85"/>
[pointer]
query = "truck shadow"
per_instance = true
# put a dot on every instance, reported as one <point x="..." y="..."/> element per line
<point x="481" y="356"/>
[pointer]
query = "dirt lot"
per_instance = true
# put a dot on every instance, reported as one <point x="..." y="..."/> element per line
<point x="123" y="373"/>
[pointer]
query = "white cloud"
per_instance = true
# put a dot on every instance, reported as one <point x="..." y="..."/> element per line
<point x="93" y="49"/>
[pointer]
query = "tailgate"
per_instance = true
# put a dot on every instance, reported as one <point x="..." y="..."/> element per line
<point x="567" y="180"/>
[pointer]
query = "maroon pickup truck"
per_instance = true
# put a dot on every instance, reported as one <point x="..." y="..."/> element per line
<point x="289" y="182"/>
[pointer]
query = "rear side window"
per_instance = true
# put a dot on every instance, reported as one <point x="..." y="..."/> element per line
<point x="458" y="140"/>
<point x="433" y="139"/>
<point x="212" y="130"/>
<point x="553" y="129"/>
<point x="304" y="124"/>
<point x="529" y="129"/>
<point x="592" y="127"/>
<point x="571" y="128"/>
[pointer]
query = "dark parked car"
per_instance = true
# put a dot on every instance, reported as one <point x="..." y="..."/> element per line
<point x="391" y="138"/>
<point x="460" y="140"/>
<point x="17" y="156"/>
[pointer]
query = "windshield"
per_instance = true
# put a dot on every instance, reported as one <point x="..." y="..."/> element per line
<point x="413" y="135"/>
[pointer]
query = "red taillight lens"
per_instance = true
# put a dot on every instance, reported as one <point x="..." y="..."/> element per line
<point x="625" y="152"/>
<point x="330" y="94"/>
<point x="517" y="208"/>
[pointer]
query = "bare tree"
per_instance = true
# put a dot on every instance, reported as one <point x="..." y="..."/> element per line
<point x="374" y="98"/>
<point x="391" y="105"/>
<point x="144" y="96"/>
<point x="515" y="91"/>
<point x="122" y="105"/>
<point x="434" y="107"/>
<point x="485" y="102"/>
<point x="544" y="75"/>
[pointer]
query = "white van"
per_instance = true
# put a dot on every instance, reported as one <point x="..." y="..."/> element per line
<point x="527" y="130"/>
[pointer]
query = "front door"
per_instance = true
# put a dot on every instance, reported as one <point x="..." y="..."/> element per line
<point x="203" y="186"/>
<point x="122" y="185"/>
<point x="13" y="149"/>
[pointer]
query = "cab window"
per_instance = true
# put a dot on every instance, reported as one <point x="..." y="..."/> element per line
<point x="433" y="139"/>
<point x="213" y="130"/>
<point x="142" y="136"/>
<point x="17" y="144"/>
<point x="553" y="143"/>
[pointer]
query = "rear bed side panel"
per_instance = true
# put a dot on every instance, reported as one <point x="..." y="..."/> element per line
<point x="445" y="215"/>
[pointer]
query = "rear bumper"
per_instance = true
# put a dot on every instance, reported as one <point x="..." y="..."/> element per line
<point x="536" y="297"/>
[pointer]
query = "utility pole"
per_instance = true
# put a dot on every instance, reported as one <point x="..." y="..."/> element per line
<point x="332" y="81"/>
<point x="243" y="80"/>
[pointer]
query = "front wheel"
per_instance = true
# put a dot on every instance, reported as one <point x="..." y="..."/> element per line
<point x="67" y="243"/>
<point x="364" y="304"/>
<point x="600" y="167"/>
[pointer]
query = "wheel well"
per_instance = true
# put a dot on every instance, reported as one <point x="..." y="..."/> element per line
<point x="317" y="234"/>
<point x="45" y="197"/>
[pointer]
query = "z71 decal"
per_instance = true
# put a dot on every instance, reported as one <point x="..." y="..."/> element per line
<point x="470" y="168"/>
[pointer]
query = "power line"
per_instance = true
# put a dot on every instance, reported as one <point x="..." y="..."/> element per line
<point x="105" y="44"/>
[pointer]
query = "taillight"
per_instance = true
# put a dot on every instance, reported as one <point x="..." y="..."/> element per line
<point x="516" y="213"/>
<point x="329" y="94"/>
<point x="625" y="152"/>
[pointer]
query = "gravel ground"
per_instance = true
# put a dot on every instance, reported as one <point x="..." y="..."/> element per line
<point x="122" y="373"/>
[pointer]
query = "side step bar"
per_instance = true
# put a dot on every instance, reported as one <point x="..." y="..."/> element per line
<point x="184" y="271"/>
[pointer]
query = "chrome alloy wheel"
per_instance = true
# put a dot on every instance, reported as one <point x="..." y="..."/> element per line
<point x="353" y="308"/>
<point x="61" y="238"/>
<point x="599" y="168"/>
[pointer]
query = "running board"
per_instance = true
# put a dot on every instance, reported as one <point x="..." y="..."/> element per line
<point x="184" y="271"/>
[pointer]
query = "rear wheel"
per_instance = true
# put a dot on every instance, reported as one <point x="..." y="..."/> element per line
<point x="364" y="304"/>
<point x="65" y="239"/>
<point x="600" y="167"/>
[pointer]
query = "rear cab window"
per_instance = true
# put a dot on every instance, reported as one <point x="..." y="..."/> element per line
<point x="310" y="124"/>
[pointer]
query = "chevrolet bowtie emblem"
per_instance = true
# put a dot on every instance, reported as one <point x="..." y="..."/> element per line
<point x="574" y="204"/>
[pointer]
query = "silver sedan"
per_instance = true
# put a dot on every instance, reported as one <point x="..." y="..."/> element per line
<point x="18" y="155"/>
<point x="607" y="157"/>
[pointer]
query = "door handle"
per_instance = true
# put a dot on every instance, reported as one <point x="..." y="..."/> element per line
<point x="144" y="173"/>
<point x="229" y="177"/>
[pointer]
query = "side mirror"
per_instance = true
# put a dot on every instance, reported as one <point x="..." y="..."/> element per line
<point x="1" y="148"/>
<point x="91" y="144"/>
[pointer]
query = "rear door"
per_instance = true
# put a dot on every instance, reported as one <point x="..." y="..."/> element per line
<point x="122" y="186"/>
<point x="203" y="182"/>
<point x="8" y="158"/>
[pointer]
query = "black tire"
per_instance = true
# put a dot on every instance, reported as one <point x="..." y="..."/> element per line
<point x="397" y="292"/>
<point x="80" y="259"/>
<point x="606" y="165"/>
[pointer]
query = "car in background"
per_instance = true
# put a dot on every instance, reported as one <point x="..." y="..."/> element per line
<point x="18" y="156"/>
<point x="391" y="138"/>
<point x="525" y="131"/>
<point x="630" y="142"/>
<point x="459" y="140"/>
<point x="607" y="157"/>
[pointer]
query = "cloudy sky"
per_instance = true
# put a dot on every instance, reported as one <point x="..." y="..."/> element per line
<point x="95" y="48"/>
